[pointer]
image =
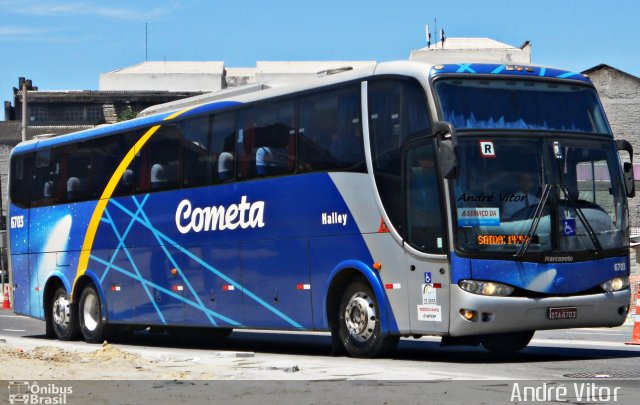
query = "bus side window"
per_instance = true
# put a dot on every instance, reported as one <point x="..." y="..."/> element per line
<point x="244" y="144"/>
<point x="329" y="133"/>
<point x="74" y="171"/>
<point x="21" y="180"/>
<point x="424" y="217"/>
<point x="397" y="113"/>
<point x="158" y="162"/>
<point x="45" y="178"/>
<point x="275" y="141"/>
<point x="197" y="163"/>
<point x="108" y="152"/>
<point x="222" y="146"/>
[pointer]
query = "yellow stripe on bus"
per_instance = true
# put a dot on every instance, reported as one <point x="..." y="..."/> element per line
<point x="92" y="229"/>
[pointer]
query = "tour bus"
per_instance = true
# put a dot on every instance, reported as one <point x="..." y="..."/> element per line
<point x="476" y="202"/>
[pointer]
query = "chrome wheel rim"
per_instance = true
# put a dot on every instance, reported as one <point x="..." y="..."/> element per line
<point x="360" y="316"/>
<point x="91" y="312"/>
<point x="61" y="312"/>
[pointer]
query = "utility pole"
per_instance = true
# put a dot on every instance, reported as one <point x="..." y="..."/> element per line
<point x="25" y="120"/>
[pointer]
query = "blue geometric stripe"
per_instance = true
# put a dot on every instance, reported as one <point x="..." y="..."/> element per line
<point x="498" y="69"/>
<point x="171" y="259"/>
<point x="209" y="267"/>
<point x="146" y="283"/>
<point x="465" y="68"/>
<point x="109" y="221"/>
<point x="131" y="261"/>
<point x="567" y="74"/>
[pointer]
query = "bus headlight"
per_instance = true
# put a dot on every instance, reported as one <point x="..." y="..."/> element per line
<point x="486" y="288"/>
<point x="615" y="284"/>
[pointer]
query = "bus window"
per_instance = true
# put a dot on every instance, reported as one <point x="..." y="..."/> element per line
<point x="107" y="154"/>
<point x="74" y="170"/>
<point x="244" y="146"/>
<point x="275" y="142"/>
<point x="222" y="146"/>
<point x="46" y="179"/>
<point x="424" y="217"/>
<point x="197" y="163"/>
<point x="330" y="134"/>
<point x="397" y="113"/>
<point x="20" y="182"/>
<point x="158" y="162"/>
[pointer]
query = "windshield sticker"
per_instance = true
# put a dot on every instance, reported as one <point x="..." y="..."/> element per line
<point x="478" y="216"/>
<point x="487" y="150"/>
<point x="569" y="226"/>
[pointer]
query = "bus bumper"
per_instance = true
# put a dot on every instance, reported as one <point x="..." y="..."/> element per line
<point x="514" y="314"/>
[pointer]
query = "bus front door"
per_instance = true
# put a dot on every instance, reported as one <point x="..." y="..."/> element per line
<point x="425" y="241"/>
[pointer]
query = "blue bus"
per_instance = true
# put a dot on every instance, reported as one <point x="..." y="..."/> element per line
<point x="476" y="202"/>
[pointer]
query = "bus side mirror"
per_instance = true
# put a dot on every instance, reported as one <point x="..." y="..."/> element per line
<point x="627" y="167"/>
<point x="447" y="149"/>
<point x="629" y="181"/>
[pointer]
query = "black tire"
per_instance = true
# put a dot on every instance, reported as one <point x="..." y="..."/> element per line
<point x="507" y="343"/>
<point x="92" y="326"/>
<point x="358" y="325"/>
<point x="62" y="321"/>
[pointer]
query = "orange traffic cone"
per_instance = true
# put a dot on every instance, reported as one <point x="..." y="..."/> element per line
<point x="6" y="304"/>
<point x="635" y="335"/>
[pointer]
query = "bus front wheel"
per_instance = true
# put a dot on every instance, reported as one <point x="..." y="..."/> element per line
<point x="506" y="343"/>
<point x="359" y="323"/>
<point x="92" y="326"/>
<point x="63" y="319"/>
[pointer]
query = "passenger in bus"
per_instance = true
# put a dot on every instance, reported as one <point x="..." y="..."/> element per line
<point x="524" y="197"/>
<point x="271" y="161"/>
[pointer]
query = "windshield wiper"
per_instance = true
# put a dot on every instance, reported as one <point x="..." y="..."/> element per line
<point x="583" y="219"/>
<point x="546" y="191"/>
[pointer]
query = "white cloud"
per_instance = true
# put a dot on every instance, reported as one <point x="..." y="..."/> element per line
<point x="13" y="30"/>
<point x="80" y="8"/>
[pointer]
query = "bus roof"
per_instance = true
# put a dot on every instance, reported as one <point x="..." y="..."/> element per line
<point x="227" y="98"/>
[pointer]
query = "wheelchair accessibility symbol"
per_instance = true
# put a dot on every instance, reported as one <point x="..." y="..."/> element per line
<point x="569" y="227"/>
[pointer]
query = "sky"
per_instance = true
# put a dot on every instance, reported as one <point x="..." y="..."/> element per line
<point x="66" y="44"/>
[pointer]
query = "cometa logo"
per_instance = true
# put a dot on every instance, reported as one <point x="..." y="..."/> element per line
<point x="218" y="218"/>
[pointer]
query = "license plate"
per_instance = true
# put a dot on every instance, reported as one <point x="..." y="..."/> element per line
<point x="563" y="313"/>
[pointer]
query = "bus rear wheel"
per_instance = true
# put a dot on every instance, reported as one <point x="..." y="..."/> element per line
<point x="506" y="343"/>
<point x="63" y="319"/>
<point x="359" y="323"/>
<point x="92" y="326"/>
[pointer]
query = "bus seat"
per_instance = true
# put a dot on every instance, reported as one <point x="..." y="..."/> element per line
<point x="76" y="188"/>
<point x="127" y="178"/>
<point x="47" y="192"/>
<point x="158" y="178"/>
<point x="225" y="166"/>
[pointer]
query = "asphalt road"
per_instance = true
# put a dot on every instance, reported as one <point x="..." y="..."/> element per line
<point x="420" y="371"/>
<point x="551" y="354"/>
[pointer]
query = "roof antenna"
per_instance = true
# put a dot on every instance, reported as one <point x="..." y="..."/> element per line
<point x="426" y="28"/>
<point x="146" y="42"/>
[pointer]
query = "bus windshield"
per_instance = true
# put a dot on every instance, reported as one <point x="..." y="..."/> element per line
<point x="535" y="195"/>
<point x="511" y="104"/>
